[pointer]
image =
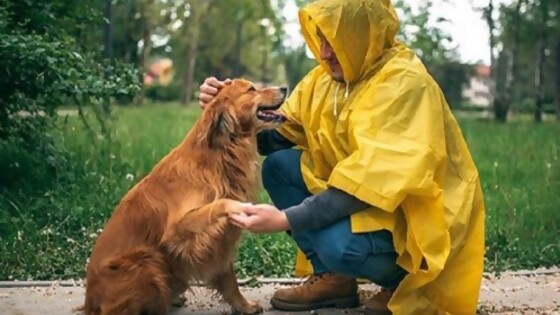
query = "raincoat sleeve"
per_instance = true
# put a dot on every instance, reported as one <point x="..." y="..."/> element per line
<point x="393" y="137"/>
<point x="270" y="141"/>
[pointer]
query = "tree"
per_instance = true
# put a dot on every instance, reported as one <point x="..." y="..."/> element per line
<point x="487" y="14"/>
<point x="195" y="18"/>
<point x="503" y="98"/>
<point x="504" y="102"/>
<point x="539" y="69"/>
<point x="557" y="78"/>
<point x="297" y="65"/>
<point x="534" y="41"/>
<point x="432" y="44"/>
<point x="243" y="43"/>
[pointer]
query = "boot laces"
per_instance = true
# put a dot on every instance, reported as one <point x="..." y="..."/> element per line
<point x="314" y="278"/>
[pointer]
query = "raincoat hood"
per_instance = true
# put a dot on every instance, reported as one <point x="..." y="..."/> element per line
<point x="359" y="32"/>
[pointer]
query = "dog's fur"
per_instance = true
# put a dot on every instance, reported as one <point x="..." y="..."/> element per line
<point x="171" y="229"/>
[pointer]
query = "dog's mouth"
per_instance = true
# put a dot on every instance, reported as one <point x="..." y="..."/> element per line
<point x="268" y="113"/>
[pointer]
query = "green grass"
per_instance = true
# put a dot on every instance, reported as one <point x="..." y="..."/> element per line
<point x="49" y="220"/>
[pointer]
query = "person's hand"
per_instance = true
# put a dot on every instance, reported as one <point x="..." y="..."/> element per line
<point x="208" y="89"/>
<point x="261" y="218"/>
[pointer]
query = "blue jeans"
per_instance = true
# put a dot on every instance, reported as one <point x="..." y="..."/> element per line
<point x="333" y="248"/>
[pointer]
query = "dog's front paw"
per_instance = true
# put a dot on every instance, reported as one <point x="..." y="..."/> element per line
<point x="179" y="301"/>
<point x="79" y="309"/>
<point x="250" y="308"/>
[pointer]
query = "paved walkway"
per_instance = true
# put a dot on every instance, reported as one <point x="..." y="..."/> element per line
<point x="508" y="294"/>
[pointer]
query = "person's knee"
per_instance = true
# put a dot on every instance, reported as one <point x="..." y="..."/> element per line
<point x="383" y="269"/>
<point x="332" y="256"/>
<point x="279" y="167"/>
<point x="368" y="255"/>
<point x="330" y="244"/>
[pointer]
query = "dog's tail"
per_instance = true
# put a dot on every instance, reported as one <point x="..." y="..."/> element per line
<point x="141" y="271"/>
<point x="145" y="258"/>
<point x="144" y="267"/>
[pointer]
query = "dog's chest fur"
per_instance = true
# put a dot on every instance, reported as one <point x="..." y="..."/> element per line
<point x="211" y="252"/>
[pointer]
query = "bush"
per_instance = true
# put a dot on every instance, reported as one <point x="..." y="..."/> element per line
<point x="44" y="73"/>
<point x="49" y="60"/>
<point x="46" y="66"/>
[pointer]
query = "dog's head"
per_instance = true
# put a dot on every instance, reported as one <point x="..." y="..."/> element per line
<point x="132" y="283"/>
<point x="241" y="110"/>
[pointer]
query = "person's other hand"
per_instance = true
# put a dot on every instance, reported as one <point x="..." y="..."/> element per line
<point x="209" y="89"/>
<point x="261" y="218"/>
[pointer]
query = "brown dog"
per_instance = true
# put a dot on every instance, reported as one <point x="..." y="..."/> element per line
<point x="171" y="229"/>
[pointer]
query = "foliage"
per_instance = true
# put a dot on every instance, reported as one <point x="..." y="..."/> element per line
<point x="517" y="43"/>
<point x="248" y="42"/>
<point x="48" y="233"/>
<point x="297" y="65"/>
<point x="530" y="26"/>
<point x="425" y="34"/>
<point x="46" y="66"/>
<point x="44" y="73"/>
<point x="48" y="62"/>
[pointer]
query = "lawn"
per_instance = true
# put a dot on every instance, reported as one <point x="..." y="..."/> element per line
<point x="49" y="221"/>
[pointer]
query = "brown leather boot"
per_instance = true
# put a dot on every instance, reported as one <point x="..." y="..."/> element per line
<point x="327" y="290"/>
<point x="377" y="305"/>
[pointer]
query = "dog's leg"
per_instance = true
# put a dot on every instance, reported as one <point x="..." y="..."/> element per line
<point x="179" y="301"/>
<point x="226" y="285"/>
<point x="197" y="220"/>
<point x="80" y="309"/>
<point x="85" y="308"/>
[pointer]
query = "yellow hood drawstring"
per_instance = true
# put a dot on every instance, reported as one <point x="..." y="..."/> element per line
<point x="346" y="91"/>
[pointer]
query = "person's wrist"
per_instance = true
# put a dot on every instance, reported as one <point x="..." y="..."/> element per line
<point x="285" y="223"/>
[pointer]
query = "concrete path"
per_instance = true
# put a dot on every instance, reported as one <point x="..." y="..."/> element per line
<point x="508" y="294"/>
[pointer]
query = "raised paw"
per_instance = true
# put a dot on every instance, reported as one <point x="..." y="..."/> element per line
<point x="251" y="308"/>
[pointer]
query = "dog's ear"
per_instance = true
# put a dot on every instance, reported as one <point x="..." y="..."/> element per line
<point x="222" y="125"/>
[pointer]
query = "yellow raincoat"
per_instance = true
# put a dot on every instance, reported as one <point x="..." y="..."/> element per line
<point x="387" y="136"/>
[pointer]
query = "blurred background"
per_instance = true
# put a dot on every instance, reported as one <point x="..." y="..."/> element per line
<point x="95" y="92"/>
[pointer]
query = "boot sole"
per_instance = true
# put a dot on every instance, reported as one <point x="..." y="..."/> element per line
<point x="338" y="303"/>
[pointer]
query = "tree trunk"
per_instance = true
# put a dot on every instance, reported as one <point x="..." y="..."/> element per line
<point x="108" y="46"/>
<point x="143" y="63"/>
<point x="539" y="69"/>
<point x="264" y="67"/>
<point x="265" y="77"/>
<point x="238" y="44"/>
<point x="557" y="89"/>
<point x="496" y="103"/>
<point x="512" y="71"/>
<point x="108" y="30"/>
<point x="146" y="48"/>
<point x="191" y="65"/>
<point x="197" y="11"/>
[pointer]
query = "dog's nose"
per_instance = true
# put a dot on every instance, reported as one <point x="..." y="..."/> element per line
<point x="284" y="90"/>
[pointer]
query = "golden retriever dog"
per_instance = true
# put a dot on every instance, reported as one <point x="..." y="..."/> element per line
<point x="171" y="229"/>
